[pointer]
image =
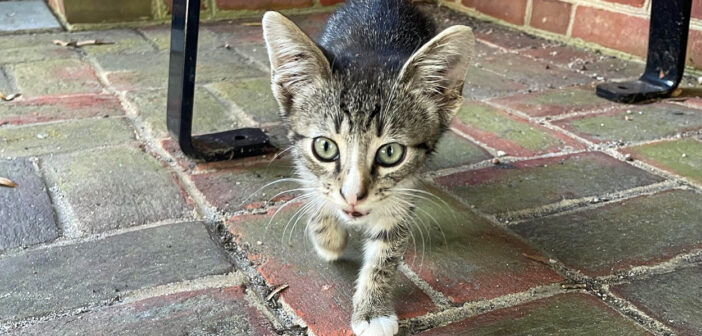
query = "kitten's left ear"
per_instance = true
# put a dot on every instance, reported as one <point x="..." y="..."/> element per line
<point x="438" y="69"/>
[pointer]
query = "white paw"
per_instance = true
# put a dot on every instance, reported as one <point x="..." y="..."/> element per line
<point x="327" y="255"/>
<point x="379" y="326"/>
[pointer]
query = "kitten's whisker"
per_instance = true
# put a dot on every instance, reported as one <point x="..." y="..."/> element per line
<point x="311" y="206"/>
<point x="288" y="179"/>
<point x="303" y="196"/>
<point x="302" y="208"/>
<point x="287" y="191"/>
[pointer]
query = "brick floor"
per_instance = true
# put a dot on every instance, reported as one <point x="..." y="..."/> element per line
<point x="553" y="198"/>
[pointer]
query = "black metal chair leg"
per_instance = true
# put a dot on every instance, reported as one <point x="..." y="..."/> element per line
<point x="181" y="86"/>
<point x="667" y="43"/>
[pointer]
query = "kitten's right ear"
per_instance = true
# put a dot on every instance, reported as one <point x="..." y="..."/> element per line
<point x="297" y="64"/>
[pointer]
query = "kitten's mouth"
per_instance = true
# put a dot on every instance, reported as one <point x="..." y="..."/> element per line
<point x="356" y="213"/>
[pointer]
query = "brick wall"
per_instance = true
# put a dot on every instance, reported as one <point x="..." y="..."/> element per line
<point x="620" y="25"/>
<point x="88" y="13"/>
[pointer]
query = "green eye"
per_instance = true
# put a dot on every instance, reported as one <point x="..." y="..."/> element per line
<point x="390" y="154"/>
<point x="325" y="149"/>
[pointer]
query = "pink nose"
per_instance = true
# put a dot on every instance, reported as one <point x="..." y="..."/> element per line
<point x="354" y="198"/>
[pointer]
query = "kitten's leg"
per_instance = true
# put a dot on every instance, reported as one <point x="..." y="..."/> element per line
<point x="373" y="312"/>
<point x="328" y="236"/>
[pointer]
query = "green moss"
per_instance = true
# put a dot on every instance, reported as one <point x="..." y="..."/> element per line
<point x="669" y="155"/>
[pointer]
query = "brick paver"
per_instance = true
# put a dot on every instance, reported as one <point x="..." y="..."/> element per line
<point x="63" y="277"/>
<point x="64" y="136"/>
<point x="99" y="185"/>
<point x="26" y="211"/>
<point x="634" y="124"/>
<point x="638" y="231"/>
<point x="669" y="297"/>
<point x="528" y="184"/>
<point x="215" y="311"/>
<point x="682" y="157"/>
<point x="511" y="134"/>
<point x="108" y="209"/>
<point x="571" y="314"/>
<point x="319" y="292"/>
<point x="48" y="108"/>
<point x="467" y="258"/>
<point x="55" y="76"/>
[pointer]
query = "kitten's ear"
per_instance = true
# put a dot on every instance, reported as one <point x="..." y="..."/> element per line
<point x="438" y="69"/>
<point x="297" y="64"/>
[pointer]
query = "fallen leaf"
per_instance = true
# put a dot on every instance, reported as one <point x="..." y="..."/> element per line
<point x="251" y="23"/>
<point x="536" y="258"/>
<point x="78" y="44"/>
<point x="676" y="93"/>
<point x="276" y="291"/>
<point x="10" y="97"/>
<point x="4" y="182"/>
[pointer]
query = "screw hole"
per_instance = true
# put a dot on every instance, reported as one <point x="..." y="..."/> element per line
<point x="239" y="137"/>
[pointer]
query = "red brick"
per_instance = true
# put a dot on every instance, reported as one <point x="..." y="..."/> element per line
<point x="635" y="3"/>
<point x="697" y="9"/>
<point x="551" y="15"/>
<point x="611" y="29"/>
<point x="319" y="292"/>
<point x="262" y="4"/>
<point x="468" y="258"/>
<point x="564" y="314"/>
<point x="694" y="49"/>
<point x="557" y="102"/>
<point x="48" y="108"/>
<point x="330" y="2"/>
<point x="512" y="11"/>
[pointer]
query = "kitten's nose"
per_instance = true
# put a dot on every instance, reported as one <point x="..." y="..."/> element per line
<point x="354" y="198"/>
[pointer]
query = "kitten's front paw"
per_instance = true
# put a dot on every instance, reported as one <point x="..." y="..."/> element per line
<point x="379" y="326"/>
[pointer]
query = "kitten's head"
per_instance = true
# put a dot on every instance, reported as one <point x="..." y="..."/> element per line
<point x="361" y="136"/>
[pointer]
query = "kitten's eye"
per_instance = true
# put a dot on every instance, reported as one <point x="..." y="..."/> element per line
<point x="325" y="149"/>
<point x="390" y="154"/>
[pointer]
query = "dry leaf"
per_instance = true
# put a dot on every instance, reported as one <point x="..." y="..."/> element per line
<point x="10" y="97"/>
<point x="79" y="44"/>
<point x="276" y="291"/>
<point x="251" y="23"/>
<point x="676" y="93"/>
<point x="4" y="182"/>
<point x="536" y="258"/>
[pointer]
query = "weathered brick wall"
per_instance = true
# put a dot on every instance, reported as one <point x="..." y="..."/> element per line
<point x="620" y="25"/>
<point x="80" y="13"/>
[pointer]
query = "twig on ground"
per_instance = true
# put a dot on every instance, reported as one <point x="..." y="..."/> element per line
<point x="276" y="291"/>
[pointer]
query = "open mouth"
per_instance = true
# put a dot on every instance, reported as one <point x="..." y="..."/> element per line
<point x="356" y="214"/>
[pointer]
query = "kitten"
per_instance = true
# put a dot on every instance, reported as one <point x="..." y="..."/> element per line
<point x="365" y="108"/>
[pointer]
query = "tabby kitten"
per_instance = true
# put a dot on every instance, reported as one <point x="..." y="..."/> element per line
<point x="364" y="108"/>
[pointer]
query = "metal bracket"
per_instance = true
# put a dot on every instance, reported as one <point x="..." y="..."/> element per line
<point x="665" y="64"/>
<point x="181" y="86"/>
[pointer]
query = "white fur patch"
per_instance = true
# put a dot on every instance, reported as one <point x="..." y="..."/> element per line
<point x="325" y="254"/>
<point x="379" y="326"/>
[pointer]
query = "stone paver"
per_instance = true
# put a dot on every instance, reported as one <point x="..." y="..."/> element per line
<point x="136" y="71"/>
<point x="528" y="184"/>
<point x="64" y="136"/>
<point x="122" y="41"/>
<point x="467" y="258"/>
<point x="682" y="157"/>
<point x="639" y="231"/>
<point x="214" y="311"/>
<point x="511" y="134"/>
<point x="48" y="108"/>
<point x="453" y="150"/>
<point x="115" y="188"/>
<point x="63" y="277"/>
<point x="557" y="102"/>
<point x="569" y="314"/>
<point x="252" y="96"/>
<point x="26" y="211"/>
<point x="648" y="122"/>
<point x="247" y="185"/>
<point x="209" y="114"/>
<point x="161" y="37"/>
<point x="36" y="53"/>
<point x="319" y="292"/>
<point x="56" y="76"/>
<point x="672" y="298"/>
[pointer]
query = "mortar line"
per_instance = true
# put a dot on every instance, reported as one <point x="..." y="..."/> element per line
<point x="438" y="298"/>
